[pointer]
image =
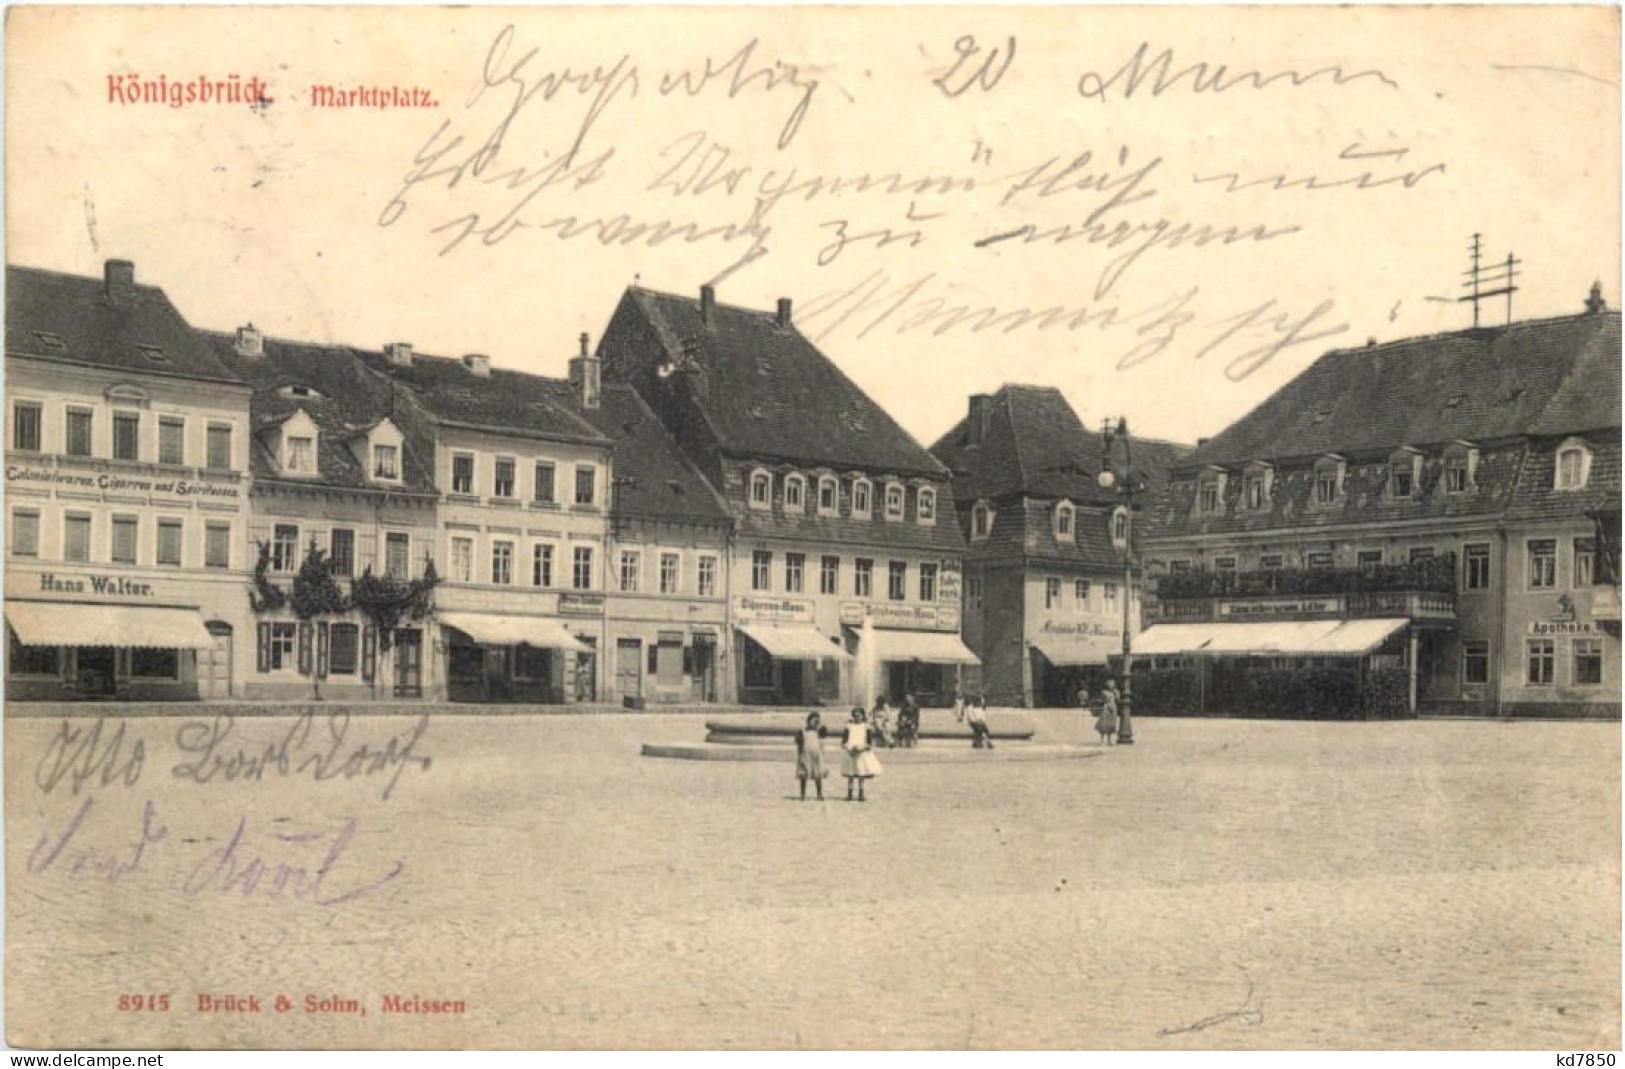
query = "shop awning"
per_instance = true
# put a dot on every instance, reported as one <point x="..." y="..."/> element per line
<point x="1064" y="651"/>
<point x="1605" y="603"/>
<point x="931" y="647"/>
<point x="1296" y="638"/>
<point x="54" y="623"/>
<point x="513" y="630"/>
<point x="795" y="643"/>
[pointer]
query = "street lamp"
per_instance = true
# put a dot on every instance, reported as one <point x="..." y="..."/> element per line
<point x="1108" y="480"/>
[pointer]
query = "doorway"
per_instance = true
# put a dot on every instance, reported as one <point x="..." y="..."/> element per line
<point x="93" y="671"/>
<point x="629" y="668"/>
<point x="408" y="663"/>
<point x="705" y="668"/>
<point x="214" y="664"/>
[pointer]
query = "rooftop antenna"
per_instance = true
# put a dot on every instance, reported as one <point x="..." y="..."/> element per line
<point x="1497" y="280"/>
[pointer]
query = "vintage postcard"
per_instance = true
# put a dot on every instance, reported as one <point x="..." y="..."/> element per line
<point x="977" y="527"/>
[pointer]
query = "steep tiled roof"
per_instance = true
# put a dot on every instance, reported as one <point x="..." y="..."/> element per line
<point x="345" y="399"/>
<point x="765" y="390"/>
<point x="1536" y="498"/>
<point x="1024" y="532"/>
<point x="505" y="402"/>
<point x="81" y="320"/>
<point x="1035" y="444"/>
<point x="653" y="479"/>
<point x="1548" y="376"/>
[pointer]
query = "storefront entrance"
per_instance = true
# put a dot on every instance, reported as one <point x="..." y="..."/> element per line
<point x="629" y="668"/>
<point x="214" y="665"/>
<point x="408" y="663"/>
<point x="705" y="668"/>
<point x="94" y="670"/>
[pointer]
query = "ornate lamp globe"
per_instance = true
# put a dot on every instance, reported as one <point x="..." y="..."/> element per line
<point x="1107" y="479"/>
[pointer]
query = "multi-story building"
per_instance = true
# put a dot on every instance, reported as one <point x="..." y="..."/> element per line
<point x="525" y="482"/>
<point x="1044" y="543"/>
<point x="126" y="495"/>
<point x="844" y="575"/>
<point x="1426" y="524"/>
<point x="335" y="468"/>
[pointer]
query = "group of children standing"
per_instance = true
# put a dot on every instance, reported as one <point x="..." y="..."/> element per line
<point x="858" y="761"/>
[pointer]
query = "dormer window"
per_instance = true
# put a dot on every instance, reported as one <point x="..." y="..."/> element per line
<point x="1256" y="487"/>
<point x="1210" y="492"/>
<point x="925" y="505"/>
<point x="1460" y="468"/>
<point x="829" y="495"/>
<point x="1120" y="526"/>
<point x="386" y="462"/>
<point x="1404" y="467"/>
<point x="894" y="501"/>
<point x="1328" y="480"/>
<point x="299" y="456"/>
<point x="761" y="490"/>
<point x="981" y="521"/>
<point x="380" y="452"/>
<point x="1065" y="520"/>
<point x="1573" y="465"/>
<point x="862" y="498"/>
<point x="795" y="493"/>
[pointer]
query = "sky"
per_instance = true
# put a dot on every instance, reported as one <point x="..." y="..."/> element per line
<point x="1166" y="213"/>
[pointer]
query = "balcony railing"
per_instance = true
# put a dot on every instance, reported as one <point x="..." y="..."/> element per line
<point x="1436" y="575"/>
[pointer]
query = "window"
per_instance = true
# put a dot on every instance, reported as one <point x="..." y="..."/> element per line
<point x="169" y="542"/>
<point x="341" y="551"/>
<point x="631" y="566"/>
<point x="219" y="458"/>
<point x="1366" y="559"/>
<point x="897" y="580"/>
<point x="670" y="564"/>
<point x="301" y="454"/>
<point x="1588" y="662"/>
<point x="31" y="660"/>
<point x="1052" y="592"/>
<point x="761" y="570"/>
<point x="171" y="440"/>
<point x="545" y="486"/>
<point x="76" y="538"/>
<point x="1475" y="663"/>
<point x="925" y="505"/>
<point x="581" y="568"/>
<point x="1109" y="592"/>
<point x="1063" y="521"/>
<point x="386" y="463"/>
<point x="1542" y="564"/>
<point x="981" y="520"/>
<point x="862" y="498"/>
<point x="1207" y="496"/>
<point x="150" y="663"/>
<point x="829" y="495"/>
<point x="462" y="473"/>
<point x="1080" y="594"/>
<point x="1402" y="474"/>
<point x="462" y="559"/>
<point x="829" y="575"/>
<point x="126" y="436"/>
<point x="1541" y="660"/>
<point x="502" y="563"/>
<point x="1573" y="465"/>
<point x="541" y="565"/>
<point x="81" y="422"/>
<point x="343" y="649"/>
<point x="1179" y="566"/>
<point x="1585" y="562"/>
<point x="795" y="568"/>
<point x="1320" y="559"/>
<point x="1325" y="487"/>
<point x="1455" y="474"/>
<point x="586" y="484"/>
<point x="795" y="493"/>
<point x="1120" y="526"/>
<point x="1253" y="490"/>
<point x="397" y="555"/>
<point x="1269" y="561"/>
<point x="863" y="578"/>
<point x="928" y="582"/>
<point x="1421" y="553"/>
<point x="26" y="420"/>
<point x="707" y="577"/>
<point x="502" y="478"/>
<point x="217" y="545"/>
<point x="1224" y="564"/>
<point x="24" y="533"/>
<point x="278" y="650"/>
<point x="284" y="547"/>
<point x="973" y="592"/>
<point x="761" y="490"/>
<point x="894" y="501"/>
<point x="1475" y="566"/>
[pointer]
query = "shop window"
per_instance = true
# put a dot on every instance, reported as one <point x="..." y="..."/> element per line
<point x="81" y="425"/>
<point x="219" y="447"/>
<point x="171" y="440"/>
<point x="169" y="543"/>
<point x="546" y="475"/>
<point x="155" y="664"/>
<point x="541" y="565"/>
<point x="462" y="473"/>
<point x="341" y="551"/>
<point x="829" y="575"/>
<point x="1052" y="592"/>
<point x="1541" y="661"/>
<point x="761" y="570"/>
<point x="386" y="462"/>
<point x="284" y="547"/>
<point x="398" y="555"/>
<point x="928" y="583"/>
<point x="462" y="559"/>
<point x="1585" y="562"/>
<point x="502" y="478"/>
<point x="1542" y="563"/>
<point x="670" y="572"/>
<point x="1475" y="566"/>
<point x="897" y="580"/>
<point x="829" y="495"/>
<point x="1588" y="662"/>
<point x="706" y="577"/>
<point x="586" y="484"/>
<point x="862" y="498"/>
<point x="76" y="538"/>
<point x="894" y="501"/>
<point x="532" y="664"/>
<point x="795" y="493"/>
<point x="925" y="505"/>
<point x="1065" y="516"/>
<point x="1475" y="663"/>
<point x="761" y="490"/>
<point x="27" y="420"/>
<point x="631" y="569"/>
<point x="343" y="649"/>
<point x="502" y="563"/>
<point x="1573" y="465"/>
<point x="795" y="569"/>
<point x="758" y="667"/>
<point x="217" y="545"/>
<point x="581" y="568"/>
<point x="24" y="533"/>
<point x="863" y="578"/>
<point x="32" y="660"/>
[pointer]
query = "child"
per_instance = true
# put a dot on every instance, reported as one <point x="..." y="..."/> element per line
<point x="980" y="736"/>
<point x="810" y="755"/>
<point x="880" y="726"/>
<point x="860" y="760"/>
<point x="1106" y="723"/>
<point x="959" y="707"/>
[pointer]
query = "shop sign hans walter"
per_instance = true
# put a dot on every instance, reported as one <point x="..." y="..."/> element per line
<point x="112" y="483"/>
<point x="100" y="585"/>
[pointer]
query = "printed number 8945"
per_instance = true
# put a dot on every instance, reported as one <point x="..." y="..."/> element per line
<point x="155" y="1003"/>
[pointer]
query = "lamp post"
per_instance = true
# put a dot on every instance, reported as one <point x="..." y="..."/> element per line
<point x="1108" y="480"/>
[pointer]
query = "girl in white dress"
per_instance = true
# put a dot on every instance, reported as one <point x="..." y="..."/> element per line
<point x="858" y="755"/>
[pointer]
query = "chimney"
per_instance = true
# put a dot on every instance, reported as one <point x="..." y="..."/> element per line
<point x="250" y="342"/>
<point x="981" y="411"/>
<point x="708" y="300"/>
<point x="783" y="318"/>
<point x="118" y="276"/>
<point x="1202" y="441"/>
<point x="399" y="353"/>
<point x="478" y="365"/>
<point x="1595" y="305"/>
<point x="585" y="376"/>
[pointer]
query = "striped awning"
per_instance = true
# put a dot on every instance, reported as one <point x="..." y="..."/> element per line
<point x="795" y="643"/>
<point x="1284" y="638"/>
<point x="61" y="623"/>
<point x="490" y="630"/>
